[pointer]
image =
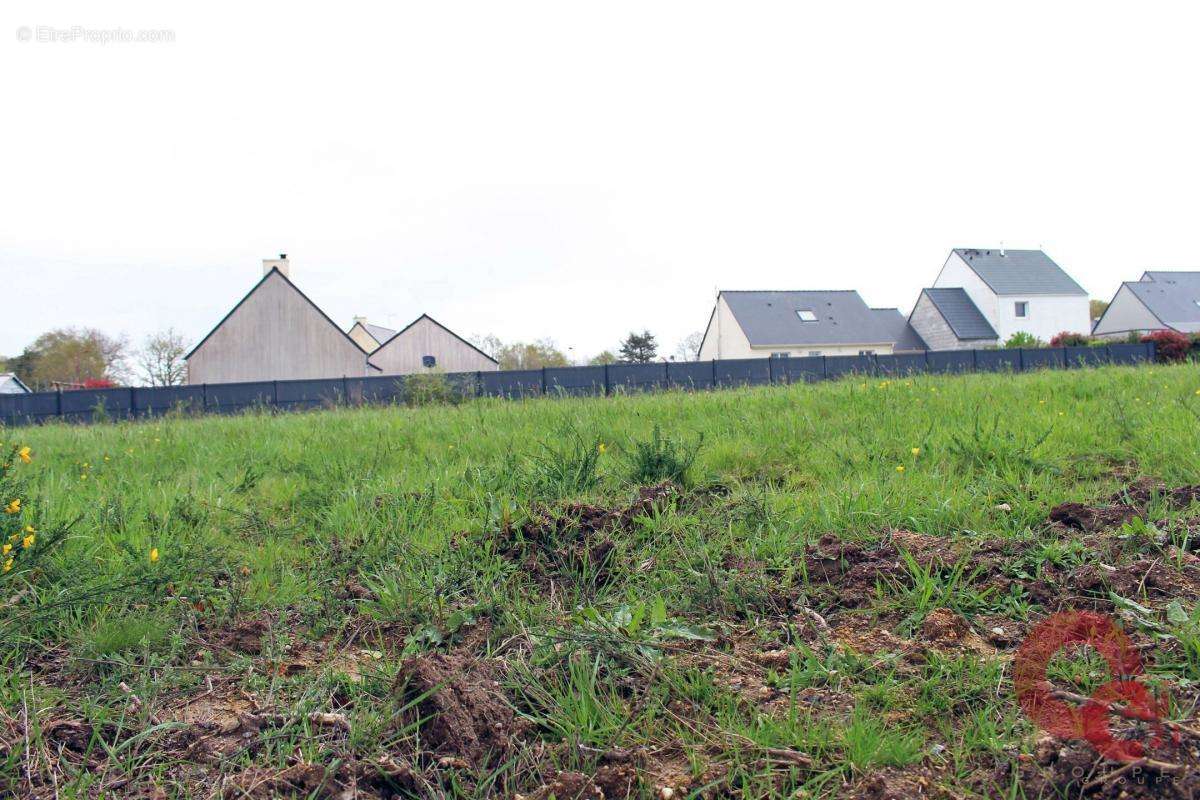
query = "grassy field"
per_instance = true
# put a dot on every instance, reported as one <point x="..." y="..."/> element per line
<point x="808" y="591"/>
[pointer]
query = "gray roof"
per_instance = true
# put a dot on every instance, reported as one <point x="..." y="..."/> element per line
<point x="769" y="318"/>
<point x="961" y="314"/>
<point x="378" y="332"/>
<point x="1170" y="276"/>
<point x="11" y="384"/>
<point x="1172" y="298"/>
<point x="1021" y="272"/>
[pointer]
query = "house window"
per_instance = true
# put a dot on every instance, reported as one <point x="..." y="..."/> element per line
<point x="428" y="361"/>
<point x="806" y="315"/>
<point x="780" y="355"/>
<point x="866" y="352"/>
<point x="814" y="352"/>
<point x="1021" y="308"/>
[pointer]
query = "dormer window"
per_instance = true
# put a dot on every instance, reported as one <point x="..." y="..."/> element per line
<point x="806" y="315"/>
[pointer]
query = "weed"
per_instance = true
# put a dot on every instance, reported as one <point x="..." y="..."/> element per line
<point x="662" y="459"/>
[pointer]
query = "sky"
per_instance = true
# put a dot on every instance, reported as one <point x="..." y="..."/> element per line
<point x="576" y="170"/>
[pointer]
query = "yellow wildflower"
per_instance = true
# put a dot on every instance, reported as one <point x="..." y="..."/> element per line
<point x="916" y="451"/>
<point x="30" y="529"/>
<point x="24" y="454"/>
<point x="28" y="541"/>
<point x="153" y="555"/>
<point x="5" y="549"/>
<point x="8" y="565"/>
<point x="13" y="507"/>
<point x="603" y="448"/>
<point x="899" y="468"/>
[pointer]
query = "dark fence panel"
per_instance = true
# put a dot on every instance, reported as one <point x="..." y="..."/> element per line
<point x="81" y="406"/>
<point x="900" y="364"/>
<point x="153" y="401"/>
<point x="513" y="383"/>
<point x="802" y="368"/>
<point x="837" y="366"/>
<point x="998" y="360"/>
<point x="1130" y="353"/>
<point x="226" y="398"/>
<point x="691" y="374"/>
<point x="382" y="389"/>
<point x="951" y="361"/>
<point x="742" y="371"/>
<point x="1085" y="356"/>
<point x="26" y="409"/>
<point x="1050" y="358"/>
<point x="575" y="381"/>
<point x="637" y="377"/>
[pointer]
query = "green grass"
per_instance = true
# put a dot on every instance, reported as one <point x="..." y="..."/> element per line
<point x="398" y="531"/>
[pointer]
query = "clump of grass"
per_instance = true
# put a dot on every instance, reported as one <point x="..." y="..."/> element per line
<point x="118" y="635"/>
<point x="568" y="468"/>
<point x="662" y="458"/>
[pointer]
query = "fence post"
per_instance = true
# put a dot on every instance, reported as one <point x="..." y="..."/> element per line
<point x="666" y="375"/>
<point x="275" y="394"/>
<point x="543" y="381"/>
<point x="132" y="402"/>
<point x="607" y="388"/>
<point x="713" y="385"/>
<point x="770" y="370"/>
<point x="1020" y="359"/>
<point x="58" y="403"/>
<point x="974" y="360"/>
<point x="345" y="391"/>
<point x="824" y="368"/>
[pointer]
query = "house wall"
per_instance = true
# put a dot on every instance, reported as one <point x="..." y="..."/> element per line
<point x="1124" y="314"/>
<point x="928" y="321"/>
<point x="1048" y="315"/>
<point x="275" y="334"/>
<point x="365" y="340"/>
<point x="724" y="338"/>
<point x="403" y="353"/>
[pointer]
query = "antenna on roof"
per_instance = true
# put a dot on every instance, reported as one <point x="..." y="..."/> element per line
<point x="1001" y="248"/>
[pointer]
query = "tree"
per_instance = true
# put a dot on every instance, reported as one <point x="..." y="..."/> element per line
<point x="688" y="348"/>
<point x="605" y="357"/>
<point x="639" y="348"/>
<point x="531" y="355"/>
<point x="489" y="344"/>
<point x="1096" y="308"/>
<point x="161" y="358"/>
<point x="72" y="356"/>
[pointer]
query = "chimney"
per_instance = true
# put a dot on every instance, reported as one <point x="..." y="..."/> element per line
<point x="360" y="320"/>
<point x="280" y="264"/>
<point x="1002" y="249"/>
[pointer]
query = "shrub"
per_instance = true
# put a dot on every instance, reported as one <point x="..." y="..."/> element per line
<point x="1068" y="339"/>
<point x="1023" y="339"/>
<point x="430" y="388"/>
<point x="662" y="459"/>
<point x="1170" y="346"/>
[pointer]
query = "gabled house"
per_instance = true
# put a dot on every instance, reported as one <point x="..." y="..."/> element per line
<point x="426" y="345"/>
<point x="946" y="319"/>
<point x="276" y="333"/>
<point x="762" y="324"/>
<point x="1161" y="300"/>
<point x="11" y="384"/>
<point x="1014" y="290"/>
<point x="369" y="336"/>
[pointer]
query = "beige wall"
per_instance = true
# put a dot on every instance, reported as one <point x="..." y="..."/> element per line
<point x="1124" y="314"/>
<point x="365" y="340"/>
<point x="403" y="353"/>
<point x="724" y="339"/>
<point x="275" y="334"/>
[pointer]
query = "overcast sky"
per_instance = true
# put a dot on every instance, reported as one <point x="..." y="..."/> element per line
<point x="573" y="170"/>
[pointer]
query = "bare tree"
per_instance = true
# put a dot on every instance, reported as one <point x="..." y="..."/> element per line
<point x="161" y="358"/>
<point x="689" y="348"/>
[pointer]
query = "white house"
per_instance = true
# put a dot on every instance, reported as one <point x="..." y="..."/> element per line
<point x="1013" y="290"/>
<point x="11" y="384"/>
<point x="762" y="324"/>
<point x="1161" y="300"/>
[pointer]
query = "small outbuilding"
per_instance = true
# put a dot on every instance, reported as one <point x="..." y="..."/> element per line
<point x="947" y="319"/>
<point x="11" y="384"/>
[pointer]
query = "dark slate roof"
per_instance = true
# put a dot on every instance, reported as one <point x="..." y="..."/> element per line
<point x="1172" y="298"/>
<point x="961" y="314"/>
<point x="906" y="338"/>
<point x="769" y="318"/>
<point x="378" y="332"/>
<point x="1019" y="271"/>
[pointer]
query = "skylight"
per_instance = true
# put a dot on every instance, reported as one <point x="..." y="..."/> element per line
<point x="806" y="315"/>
